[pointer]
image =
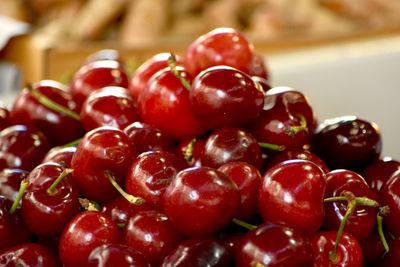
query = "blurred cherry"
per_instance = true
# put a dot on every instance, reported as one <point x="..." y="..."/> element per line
<point x="29" y="254"/>
<point x="379" y="171"/>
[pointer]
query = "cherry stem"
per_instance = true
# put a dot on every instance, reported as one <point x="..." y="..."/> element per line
<point x="52" y="190"/>
<point x="259" y="264"/>
<point x="188" y="153"/>
<point x="131" y="199"/>
<point x="272" y="146"/>
<point x="21" y="191"/>
<point x="172" y="65"/>
<point x="89" y="205"/>
<point x="293" y="130"/>
<point x="73" y="143"/>
<point x="379" y="220"/>
<point x="246" y="225"/>
<point x="360" y="201"/>
<point x="47" y="102"/>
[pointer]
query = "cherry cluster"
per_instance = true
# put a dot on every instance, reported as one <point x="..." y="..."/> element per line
<point x="192" y="161"/>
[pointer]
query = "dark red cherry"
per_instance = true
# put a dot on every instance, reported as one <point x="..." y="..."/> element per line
<point x="191" y="150"/>
<point x="151" y="173"/>
<point x="274" y="245"/>
<point x="201" y="201"/>
<point x="10" y="180"/>
<point x="258" y="67"/>
<point x="292" y="193"/>
<point x="362" y="221"/>
<point x="379" y="171"/>
<point x="248" y="180"/>
<point x="116" y="255"/>
<point x="145" y="137"/>
<point x="29" y="255"/>
<point x="22" y="147"/>
<point x="102" y="149"/>
<point x="347" y="142"/>
<point x="4" y="117"/>
<point x="390" y="196"/>
<point x="222" y="46"/>
<point x="373" y="249"/>
<point x="199" y="252"/>
<point x="86" y="231"/>
<point x="108" y="106"/>
<point x="96" y="75"/>
<point x="164" y="103"/>
<point x="265" y="84"/>
<point x="152" y="234"/>
<point x="222" y="96"/>
<point x="46" y="212"/>
<point x="61" y="155"/>
<point x="348" y="252"/>
<point x="392" y="258"/>
<point x="231" y="144"/>
<point x="58" y="127"/>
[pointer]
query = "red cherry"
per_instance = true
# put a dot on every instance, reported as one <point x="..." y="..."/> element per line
<point x="392" y="258"/>
<point x="378" y="172"/>
<point x="28" y="254"/>
<point x="274" y="245"/>
<point x="86" y="231"/>
<point x="201" y="201"/>
<point x="389" y="195"/>
<point x="108" y="106"/>
<point x="61" y="155"/>
<point x="292" y="193"/>
<point x="191" y="150"/>
<point x="373" y="249"/>
<point x="258" y="68"/>
<point x="10" y="180"/>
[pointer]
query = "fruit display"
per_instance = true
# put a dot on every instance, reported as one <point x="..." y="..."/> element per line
<point x="193" y="160"/>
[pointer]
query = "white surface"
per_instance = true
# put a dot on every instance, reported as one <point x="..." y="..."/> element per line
<point x="360" y="79"/>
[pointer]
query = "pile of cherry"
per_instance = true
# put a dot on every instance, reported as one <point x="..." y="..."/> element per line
<point x="191" y="161"/>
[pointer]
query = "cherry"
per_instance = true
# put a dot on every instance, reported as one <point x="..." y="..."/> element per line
<point x="222" y="46"/>
<point x="102" y="149"/>
<point x="348" y="251"/>
<point x="28" y="109"/>
<point x="4" y="117"/>
<point x="274" y="245"/>
<point x="198" y="252"/>
<point x="146" y="70"/>
<point x="164" y="103"/>
<point x="292" y="193"/>
<point x="61" y="155"/>
<point x="28" y="254"/>
<point x="145" y="137"/>
<point x="46" y="208"/>
<point x="373" y="249"/>
<point x="258" y="68"/>
<point x="108" y="106"/>
<point x="86" y="231"/>
<point x="392" y="258"/>
<point x="222" y="96"/>
<point x="151" y="173"/>
<point x="94" y="76"/>
<point x="201" y="201"/>
<point x="22" y="147"/>
<point x="152" y="234"/>
<point x="248" y="180"/>
<point x="10" y="180"/>
<point x="379" y="171"/>
<point x="347" y="142"/>
<point x="231" y="144"/>
<point x="348" y="184"/>
<point x="389" y="196"/>
<point x="116" y="255"/>
<point x="191" y="150"/>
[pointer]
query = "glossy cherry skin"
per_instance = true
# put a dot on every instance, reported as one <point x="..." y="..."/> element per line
<point x="22" y="147"/>
<point x="96" y="75"/>
<point x="146" y="70"/>
<point x="61" y="155"/>
<point x="86" y="231"/>
<point x="47" y="214"/>
<point x="104" y="148"/>
<point x="164" y="103"/>
<point x="231" y="144"/>
<point x="361" y="223"/>
<point x="116" y="255"/>
<point x="274" y="245"/>
<point x="152" y="234"/>
<point x="151" y="173"/>
<point x="108" y="106"/>
<point x="29" y="255"/>
<point x="10" y="180"/>
<point x="389" y="196"/>
<point x="222" y="96"/>
<point x="392" y="258"/>
<point x="248" y="179"/>
<point x="373" y="249"/>
<point x="198" y="252"/>
<point x="222" y="46"/>
<point x="201" y="201"/>
<point x="379" y="171"/>
<point x="4" y="117"/>
<point x="145" y="137"/>
<point x="59" y="128"/>
<point x="348" y="252"/>
<point x="347" y="142"/>
<point x="292" y="193"/>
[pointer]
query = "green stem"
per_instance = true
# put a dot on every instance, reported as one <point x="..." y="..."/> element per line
<point x="272" y="146"/>
<point x="130" y="198"/>
<point x="73" y="143"/>
<point x="379" y="220"/>
<point x="293" y="130"/>
<point x="172" y="65"/>
<point x="188" y="153"/>
<point x="21" y="191"/>
<point x="360" y="201"/>
<point x="89" y="204"/>
<point x="52" y="190"/>
<point x="244" y="224"/>
<point x="47" y="102"/>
